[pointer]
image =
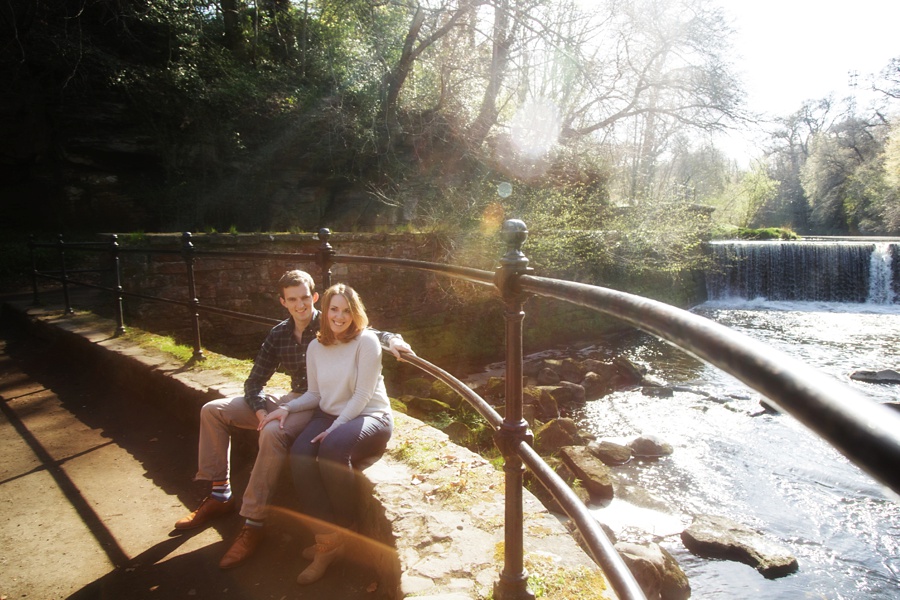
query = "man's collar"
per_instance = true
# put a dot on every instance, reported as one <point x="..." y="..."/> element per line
<point x="314" y="321"/>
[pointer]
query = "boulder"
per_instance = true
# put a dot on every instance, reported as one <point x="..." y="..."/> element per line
<point x="594" y="385"/>
<point x="601" y="377"/>
<point x="649" y="446"/>
<point x="554" y="364"/>
<point x="571" y="370"/>
<point x="546" y="498"/>
<point x="555" y="434"/>
<point x="443" y="392"/>
<point x="884" y="376"/>
<point x="593" y="474"/>
<point x="423" y="408"/>
<point x="546" y="406"/>
<point x="547" y="376"/>
<point x="592" y="364"/>
<point x="627" y="373"/>
<point x="657" y="391"/>
<point x="565" y="392"/>
<point x="713" y="536"/>
<point x="531" y="366"/>
<point x="656" y="571"/>
<point x="609" y="453"/>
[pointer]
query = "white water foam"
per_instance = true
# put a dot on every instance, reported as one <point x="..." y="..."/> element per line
<point x="880" y="276"/>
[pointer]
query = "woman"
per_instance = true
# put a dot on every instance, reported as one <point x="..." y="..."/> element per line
<point x="352" y="422"/>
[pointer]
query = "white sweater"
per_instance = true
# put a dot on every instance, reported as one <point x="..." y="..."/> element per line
<point x="344" y="380"/>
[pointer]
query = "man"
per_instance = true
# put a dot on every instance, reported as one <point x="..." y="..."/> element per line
<point x="285" y="345"/>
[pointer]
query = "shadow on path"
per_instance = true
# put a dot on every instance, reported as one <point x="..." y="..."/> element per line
<point x="60" y="407"/>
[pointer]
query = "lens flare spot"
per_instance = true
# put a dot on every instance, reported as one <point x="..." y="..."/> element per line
<point x="535" y="128"/>
<point x="492" y="218"/>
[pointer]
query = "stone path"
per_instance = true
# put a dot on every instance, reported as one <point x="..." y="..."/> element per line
<point x="91" y="483"/>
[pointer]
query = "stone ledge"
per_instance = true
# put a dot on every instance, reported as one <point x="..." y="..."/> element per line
<point x="438" y="505"/>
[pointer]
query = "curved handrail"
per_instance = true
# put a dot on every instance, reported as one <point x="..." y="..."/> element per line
<point x="864" y="431"/>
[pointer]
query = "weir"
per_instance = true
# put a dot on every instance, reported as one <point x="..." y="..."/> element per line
<point x="822" y="271"/>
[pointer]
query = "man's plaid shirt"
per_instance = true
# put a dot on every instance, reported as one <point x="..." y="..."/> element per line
<point x="280" y="348"/>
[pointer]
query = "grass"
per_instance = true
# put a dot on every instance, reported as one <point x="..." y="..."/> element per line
<point x="232" y="368"/>
<point x="550" y="580"/>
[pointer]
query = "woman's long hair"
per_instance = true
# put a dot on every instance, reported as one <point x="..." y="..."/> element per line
<point x="358" y="316"/>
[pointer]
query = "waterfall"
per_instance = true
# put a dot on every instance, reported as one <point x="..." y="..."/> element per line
<point x="805" y="271"/>
<point x="881" y="276"/>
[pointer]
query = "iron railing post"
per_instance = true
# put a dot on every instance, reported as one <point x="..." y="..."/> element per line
<point x="34" y="272"/>
<point x="325" y="257"/>
<point x="120" y="317"/>
<point x="513" y="582"/>
<point x="64" y="274"/>
<point x="187" y="251"/>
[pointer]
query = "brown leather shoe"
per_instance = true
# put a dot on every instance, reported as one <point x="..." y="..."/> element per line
<point x="208" y="510"/>
<point x="243" y="547"/>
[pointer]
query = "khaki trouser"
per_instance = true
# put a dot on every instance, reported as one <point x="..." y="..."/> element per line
<point x="213" y="464"/>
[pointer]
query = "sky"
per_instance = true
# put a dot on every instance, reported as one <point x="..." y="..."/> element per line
<point x="789" y="51"/>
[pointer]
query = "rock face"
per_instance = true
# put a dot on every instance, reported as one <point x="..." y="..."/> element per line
<point x="656" y="571"/>
<point x="718" y="537"/>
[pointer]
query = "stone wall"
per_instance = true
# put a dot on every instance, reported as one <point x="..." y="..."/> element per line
<point x="402" y="300"/>
<point x="453" y="323"/>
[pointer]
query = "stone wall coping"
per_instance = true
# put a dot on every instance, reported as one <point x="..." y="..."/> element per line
<point x="243" y="239"/>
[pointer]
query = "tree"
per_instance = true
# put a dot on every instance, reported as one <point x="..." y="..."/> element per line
<point x="788" y="151"/>
<point x="884" y="185"/>
<point x="426" y="27"/>
<point x="888" y="82"/>
<point x="835" y="175"/>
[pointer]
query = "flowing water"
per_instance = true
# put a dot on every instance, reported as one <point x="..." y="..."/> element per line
<point x="759" y="468"/>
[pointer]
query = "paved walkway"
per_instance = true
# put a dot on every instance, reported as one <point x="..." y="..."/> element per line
<point x="90" y="485"/>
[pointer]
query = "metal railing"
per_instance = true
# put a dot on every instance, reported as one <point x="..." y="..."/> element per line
<point x="867" y="433"/>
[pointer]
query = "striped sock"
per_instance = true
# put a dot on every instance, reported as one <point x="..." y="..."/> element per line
<point x="221" y="491"/>
<point x="254" y="523"/>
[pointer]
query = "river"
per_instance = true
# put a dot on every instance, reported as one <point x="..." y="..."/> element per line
<point x="760" y="468"/>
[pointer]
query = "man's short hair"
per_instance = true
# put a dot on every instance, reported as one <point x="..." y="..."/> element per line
<point x="296" y="277"/>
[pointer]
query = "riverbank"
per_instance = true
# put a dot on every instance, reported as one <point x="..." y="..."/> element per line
<point x="437" y="507"/>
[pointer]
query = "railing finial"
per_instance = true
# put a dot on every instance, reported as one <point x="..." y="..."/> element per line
<point x="514" y="233"/>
